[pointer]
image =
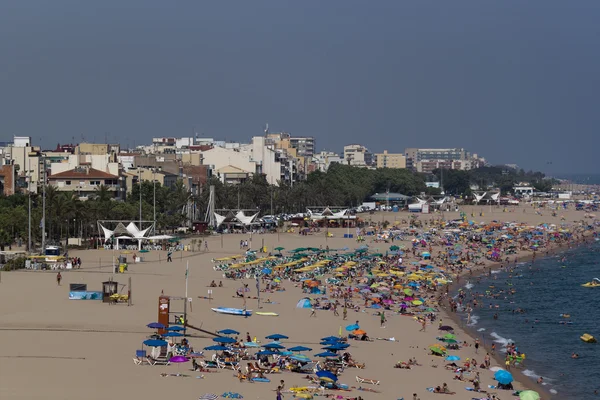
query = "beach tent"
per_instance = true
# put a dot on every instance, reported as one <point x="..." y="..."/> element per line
<point x="304" y="303"/>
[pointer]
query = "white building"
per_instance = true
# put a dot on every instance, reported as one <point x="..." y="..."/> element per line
<point x="358" y="155"/>
<point x="324" y="159"/>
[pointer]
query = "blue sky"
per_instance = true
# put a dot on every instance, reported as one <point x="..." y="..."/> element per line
<point x="515" y="81"/>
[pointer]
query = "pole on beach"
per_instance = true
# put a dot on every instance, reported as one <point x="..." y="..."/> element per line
<point x="221" y="240"/>
<point x="129" y="303"/>
<point x="187" y="272"/>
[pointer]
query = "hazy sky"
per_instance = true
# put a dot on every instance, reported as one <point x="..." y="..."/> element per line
<point x="515" y="81"/>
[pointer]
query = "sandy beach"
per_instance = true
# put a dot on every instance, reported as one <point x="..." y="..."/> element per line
<point x="55" y="348"/>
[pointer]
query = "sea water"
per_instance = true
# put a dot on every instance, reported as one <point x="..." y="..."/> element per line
<point x="549" y="288"/>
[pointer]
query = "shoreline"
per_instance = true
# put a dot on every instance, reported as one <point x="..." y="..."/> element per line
<point x="471" y="331"/>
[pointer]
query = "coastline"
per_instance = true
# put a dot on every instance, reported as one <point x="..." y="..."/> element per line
<point x="470" y="331"/>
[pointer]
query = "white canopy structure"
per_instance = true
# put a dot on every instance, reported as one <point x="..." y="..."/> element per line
<point x="244" y="219"/>
<point x="219" y="219"/>
<point x="122" y="232"/>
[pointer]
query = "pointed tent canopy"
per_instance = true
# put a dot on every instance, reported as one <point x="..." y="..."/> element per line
<point x="219" y="219"/>
<point x="244" y="219"/>
<point x="107" y="232"/>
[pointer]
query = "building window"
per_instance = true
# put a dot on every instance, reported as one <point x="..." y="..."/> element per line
<point x="68" y="183"/>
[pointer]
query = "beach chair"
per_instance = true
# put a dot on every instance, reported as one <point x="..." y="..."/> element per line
<point x="208" y="364"/>
<point x="367" y="380"/>
<point x="140" y="357"/>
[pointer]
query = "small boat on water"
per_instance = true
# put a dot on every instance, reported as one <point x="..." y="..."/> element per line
<point x="586" y="337"/>
<point x="593" y="283"/>
<point x="232" y="311"/>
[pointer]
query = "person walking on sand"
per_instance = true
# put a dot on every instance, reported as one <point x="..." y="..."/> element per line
<point x="313" y="312"/>
<point x="476" y="346"/>
<point x="423" y="325"/>
<point x="345" y="313"/>
<point x="169" y="254"/>
<point x="278" y="393"/>
<point x="58" y="278"/>
<point x="205" y="245"/>
<point x="382" y="319"/>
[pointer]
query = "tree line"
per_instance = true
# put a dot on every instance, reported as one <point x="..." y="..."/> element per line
<point x="341" y="185"/>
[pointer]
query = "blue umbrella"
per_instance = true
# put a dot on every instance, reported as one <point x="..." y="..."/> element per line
<point x="300" y="348"/>
<point x="273" y="346"/>
<point x="266" y="271"/>
<point x="352" y="327"/>
<point x="453" y="358"/>
<point x="503" y="377"/>
<point x="155" y="343"/>
<point x="267" y="353"/>
<point x="172" y="334"/>
<point x="331" y="339"/>
<point x="276" y="336"/>
<point x="336" y="347"/>
<point x="324" y="374"/>
<point x="300" y="357"/>
<point x="224" y="340"/>
<point x="156" y="325"/>
<point x="228" y="332"/>
<point x="176" y="328"/>
<point x="326" y="354"/>
<point x="216" y="348"/>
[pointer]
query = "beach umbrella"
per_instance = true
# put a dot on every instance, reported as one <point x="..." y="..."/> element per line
<point x="276" y="336"/>
<point x="216" y="348"/>
<point x="436" y="350"/>
<point x="209" y="396"/>
<point x="156" y="325"/>
<point x="331" y="339"/>
<point x="529" y="395"/>
<point x="300" y="348"/>
<point x="267" y="353"/>
<point x="273" y="346"/>
<point x="304" y="303"/>
<point x="359" y="332"/>
<point x="453" y="358"/>
<point x="503" y="377"/>
<point x="279" y="248"/>
<point x="336" y="347"/>
<point x="326" y="354"/>
<point x="446" y="328"/>
<point x="251" y="344"/>
<point x="300" y="357"/>
<point x="408" y="292"/>
<point x="155" y="343"/>
<point x="173" y="334"/>
<point x="224" y="340"/>
<point x="176" y="328"/>
<point x="327" y="376"/>
<point x="228" y="332"/>
<point x="178" y="359"/>
<point x="449" y="336"/>
<point x="450" y="341"/>
<point x="352" y="327"/>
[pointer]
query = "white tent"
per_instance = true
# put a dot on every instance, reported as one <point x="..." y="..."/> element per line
<point x="243" y="219"/>
<point x="107" y="232"/>
<point x="160" y="237"/>
<point x="219" y="219"/>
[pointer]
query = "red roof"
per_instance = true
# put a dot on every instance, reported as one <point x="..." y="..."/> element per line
<point x="88" y="173"/>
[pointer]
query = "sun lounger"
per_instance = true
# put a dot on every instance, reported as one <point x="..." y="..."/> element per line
<point x="367" y="380"/>
<point x="208" y="364"/>
<point x="158" y="361"/>
<point x="228" y="365"/>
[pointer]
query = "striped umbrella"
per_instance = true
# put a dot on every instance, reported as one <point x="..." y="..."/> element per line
<point x="209" y="396"/>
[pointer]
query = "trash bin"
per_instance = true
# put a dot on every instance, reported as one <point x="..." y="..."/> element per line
<point x="122" y="268"/>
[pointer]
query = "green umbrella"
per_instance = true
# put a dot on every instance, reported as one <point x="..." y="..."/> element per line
<point x="529" y="395"/>
<point x="450" y="341"/>
<point x="299" y="249"/>
<point x="449" y="336"/>
<point x="279" y="248"/>
<point x="394" y="248"/>
<point x="436" y="350"/>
